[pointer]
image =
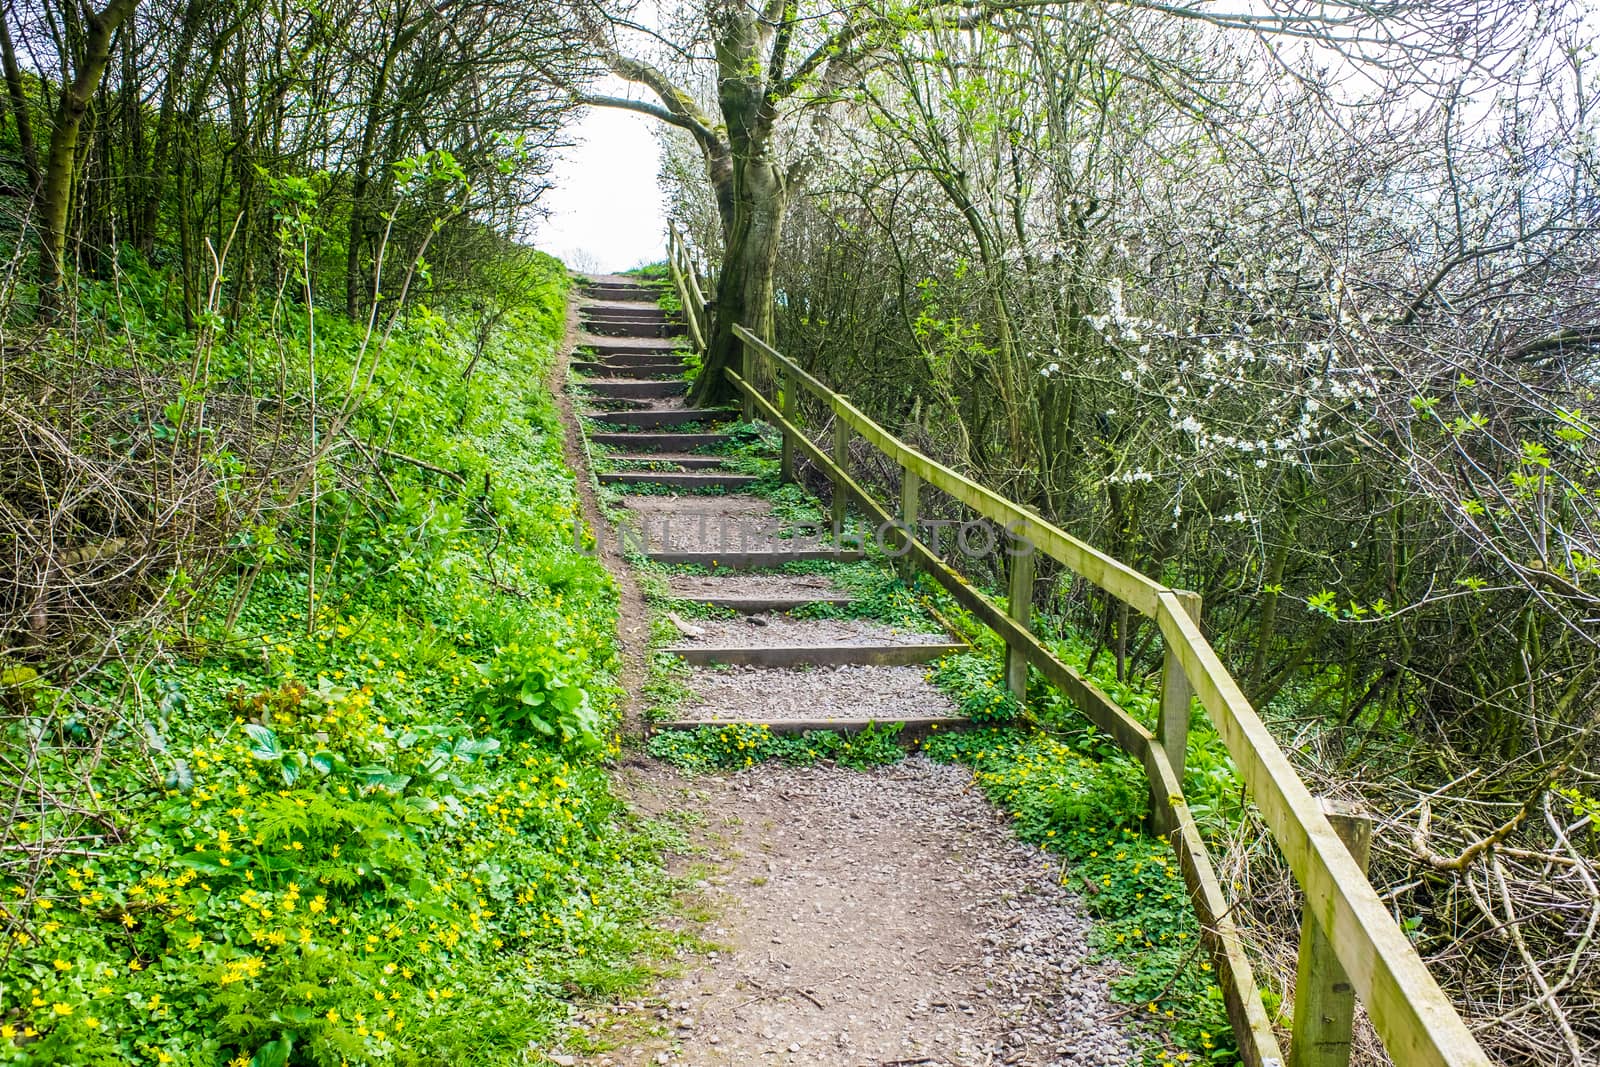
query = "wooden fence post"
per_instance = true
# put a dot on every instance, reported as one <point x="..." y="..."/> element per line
<point x="747" y="366"/>
<point x="791" y="413"/>
<point x="841" y="459"/>
<point x="1172" y="722"/>
<point x="910" y="505"/>
<point x="1324" y="999"/>
<point x="1019" y="605"/>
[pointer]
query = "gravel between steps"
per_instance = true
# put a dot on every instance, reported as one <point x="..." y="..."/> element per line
<point x="660" y="457"/>
<point x="884" y="917"/>
<point x="782" y="631"/>
<point x="708" y="523"/>
<point x="857" y="691"/>
<point x="669" y="345"/>
<point x="700" y="586"/>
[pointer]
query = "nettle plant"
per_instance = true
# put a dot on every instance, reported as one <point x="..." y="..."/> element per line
<point x="533" y="688"/>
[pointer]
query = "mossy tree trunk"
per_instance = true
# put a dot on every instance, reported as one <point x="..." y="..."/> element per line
<point x="753" y="187"/>
<point x="56" y="186"/>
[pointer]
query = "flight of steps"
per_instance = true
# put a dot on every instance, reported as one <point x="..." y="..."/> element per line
<point x="686" y="509"/>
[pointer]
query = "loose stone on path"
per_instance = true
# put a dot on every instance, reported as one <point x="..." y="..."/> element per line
<point x="886" y="916"/>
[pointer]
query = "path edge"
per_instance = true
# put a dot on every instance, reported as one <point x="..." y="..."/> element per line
<point x="633" y="615"/>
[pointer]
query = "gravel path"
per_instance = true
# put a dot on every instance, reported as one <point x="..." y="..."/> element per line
<point x="670" y="346"/>
<point x="876" y="918"/>
<point x="882" y="694"/>
<point x="650" y="403"/>
<point x="676" y="505"/>
<point x="782" y="631"/>
<point x="662" y="457"/>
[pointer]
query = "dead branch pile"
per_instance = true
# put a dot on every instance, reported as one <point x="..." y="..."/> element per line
<point x="117" y="490"/>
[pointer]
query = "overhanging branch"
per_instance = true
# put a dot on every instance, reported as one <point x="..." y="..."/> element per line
<point x="643" y="107"/>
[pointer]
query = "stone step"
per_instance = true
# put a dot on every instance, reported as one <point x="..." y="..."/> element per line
<point x="761" y="605"/>
<point x="619" y="403"/>
<point x="670" y="463"/>
<point x="679" y="479"/>
<point x="912" y="727"/>
<point x="650" y="419"/>
<point x="614" y="291"/>
<point x="660" y="370"/>
<point x="636" y="312"/>
<point x="623" y="387"/>
<point x="630" y="328"/>
<point x="890" y="655"/>
<point x="634" y="359"/>
<point x="636" y="346"/>
<point x="662" y="442"/>
<point x="751" y="561"/>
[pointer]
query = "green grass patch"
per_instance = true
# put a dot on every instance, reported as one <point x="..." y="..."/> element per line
<point x="741" y="745"/>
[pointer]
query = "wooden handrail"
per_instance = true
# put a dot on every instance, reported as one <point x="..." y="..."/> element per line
<point x="1116" y="578"/>
<point x="1416" y="1021"/>
<point x="690" y="298"/>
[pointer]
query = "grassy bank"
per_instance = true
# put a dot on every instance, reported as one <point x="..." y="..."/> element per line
<point x="382" y="834"/>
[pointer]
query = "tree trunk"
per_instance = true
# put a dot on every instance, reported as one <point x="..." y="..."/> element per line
<point x="56" y="190"/>
<point x="19" y="105"/>
<point x="155" y="184"/>
<point x="745" y="286"/>
<point x="358" y="281"/>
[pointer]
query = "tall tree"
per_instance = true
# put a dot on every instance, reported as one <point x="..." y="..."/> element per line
<point x="83" y="66"/>
<point x="755" y="77"/>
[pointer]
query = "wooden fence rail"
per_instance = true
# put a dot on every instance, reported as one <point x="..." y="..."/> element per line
<point x="681" y="266"/>
<point x="1369" y="954"/>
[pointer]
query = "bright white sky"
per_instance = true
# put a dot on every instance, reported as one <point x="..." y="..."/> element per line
<point x="606" y="210"/>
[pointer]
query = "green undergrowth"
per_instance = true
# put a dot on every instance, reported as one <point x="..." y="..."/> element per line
<point x="1070" y="789"/>
<point x="657" y="272"/>
<point x="741" y="745"/>
<point x="385" y="835"/>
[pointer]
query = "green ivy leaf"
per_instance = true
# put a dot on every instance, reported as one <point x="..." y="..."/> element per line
<point x="180" y="777"/>
<point x="263" y="742"/>
<point x="273" y="1053"/>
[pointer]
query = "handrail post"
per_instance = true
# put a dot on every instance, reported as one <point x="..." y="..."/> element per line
<point x="1172" y="721"/>
<point x="1019" y="605"/>
<point x="841" y="459"/>
<point x="747" y="362"/>
<point x="1324" y="1000"/>
<point x="910" y="505"/>
<point x="791" y="414"/>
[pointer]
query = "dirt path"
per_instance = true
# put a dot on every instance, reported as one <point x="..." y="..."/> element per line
<point x="886" y="918"/>
<point x="873" y="918"/>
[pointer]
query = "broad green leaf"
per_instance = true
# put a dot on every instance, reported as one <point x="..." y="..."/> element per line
<point x="263" y="742"/>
